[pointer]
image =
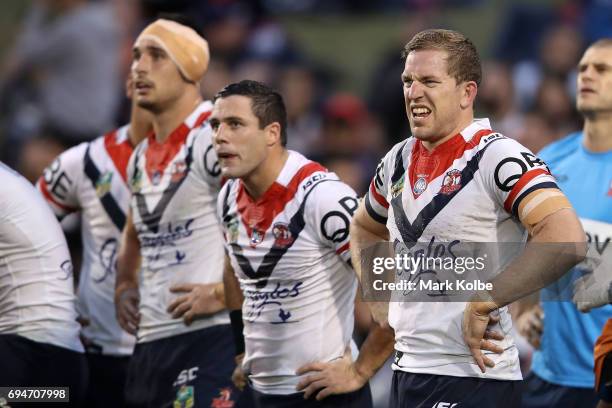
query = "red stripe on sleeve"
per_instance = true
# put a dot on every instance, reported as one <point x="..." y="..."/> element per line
<point x="379" y="198"/>
<point x="525" y="178"/>
<point x="45" y="192"/>
<point x="343" y="248"/>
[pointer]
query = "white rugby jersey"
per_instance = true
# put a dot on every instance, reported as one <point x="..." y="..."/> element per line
<point x="174" y="188"/>
<point x="290" y="252"/>
<point x="91" y="178"/>
<point x="37" y="298"/>
<point x="468" y="189"/>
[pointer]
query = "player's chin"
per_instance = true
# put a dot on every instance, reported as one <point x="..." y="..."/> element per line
<point x="145" y="102"/>
<point x="420" y="133"/>
<point x="230" y="172"/>
<point x="585" y="108"/>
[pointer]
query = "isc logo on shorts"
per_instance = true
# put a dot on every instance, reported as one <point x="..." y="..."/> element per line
<point x="185" y="376"/>
<point x="441" y="404"/>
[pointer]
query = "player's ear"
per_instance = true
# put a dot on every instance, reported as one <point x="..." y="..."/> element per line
<point x="468" y="94"/>
<point x="273" y="133"/>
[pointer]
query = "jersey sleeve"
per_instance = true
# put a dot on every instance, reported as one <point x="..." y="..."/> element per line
<point x="329" y="212"/>
<point x="375" y="199"/>
<point x="60" y="181"/>
<point x="519" y="181"/>
<point x="205" y="162"/>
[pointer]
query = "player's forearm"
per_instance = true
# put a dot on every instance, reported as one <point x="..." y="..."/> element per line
<point x="361" y="238"/>
<point x="539" y="265"/>
<point x="128" y="260"/>
<point x="231" y="288"/>
<point x="376" y="349"/>
<point x="127" y="271"/>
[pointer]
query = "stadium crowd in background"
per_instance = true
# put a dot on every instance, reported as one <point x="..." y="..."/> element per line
<point x="530" y="92"/>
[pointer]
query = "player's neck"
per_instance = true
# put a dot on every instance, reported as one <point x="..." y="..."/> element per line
<point x="598" y="133"/>
<point x="165" y="122"/>
<point x="260" y="180"/>
<point x="460" y="126"/>
<point x="140" y="125"/>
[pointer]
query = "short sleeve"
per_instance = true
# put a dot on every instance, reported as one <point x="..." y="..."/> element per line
<point x="60" y="181"/>
<point x="329" y="212"/>
<point x="205" y="162"/>
<point x="513" y="175"/>
<point x="376" y="203"/>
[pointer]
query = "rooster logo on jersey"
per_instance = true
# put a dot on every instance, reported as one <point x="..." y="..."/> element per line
<point x="282" y="235"/>
<point x="451" y="182"/>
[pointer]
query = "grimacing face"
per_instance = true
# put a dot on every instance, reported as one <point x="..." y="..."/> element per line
<point x="594" y="93"/>
<point x="157" y="80"/>
<point x="240" y="144"/>
<point x="432" y="97"/>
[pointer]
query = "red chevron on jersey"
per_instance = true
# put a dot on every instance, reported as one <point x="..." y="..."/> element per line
<point x="425" y="165"/>
<point x="158" y="154"/>
<point x="119" y="149"/>
<point x="258" y="214"/>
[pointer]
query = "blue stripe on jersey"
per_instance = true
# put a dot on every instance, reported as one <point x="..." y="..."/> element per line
<point x="274" y="255"/>
<point x="412" y="232"/>
<point x="398" y="169"/>
<point x="109" y="204"/>
<point x="152" y="219"/>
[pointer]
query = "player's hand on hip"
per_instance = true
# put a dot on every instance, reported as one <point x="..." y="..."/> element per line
<point x="126" y="307"/>
<point x="239" y="377"/>
<point x="325" y="379"/>
<point x="478" y="318"/>
<point x="198" y="299"/>
<point x="530" y="325"/>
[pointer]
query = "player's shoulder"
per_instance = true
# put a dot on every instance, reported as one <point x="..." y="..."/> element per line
<point x="198" y="121"/>
<point x="78" y="151"/>
<point x="561" y="148"/>
<point x="301" y="174"/>
<point x="8" y="172"/>
<point x="394" y="161"/>
<point x="400" y="149"/>
<point x="114" y="137"/>
<point x="495" y="145"/>
<point x="316" y="185"/>
<point x="70" y="162"/>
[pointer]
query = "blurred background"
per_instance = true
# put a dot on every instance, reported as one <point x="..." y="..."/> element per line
<point x="337" y="63"/>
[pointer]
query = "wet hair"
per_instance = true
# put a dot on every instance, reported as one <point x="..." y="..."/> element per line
<point x="463" y="60"/>
<point x="267" y="104"/>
